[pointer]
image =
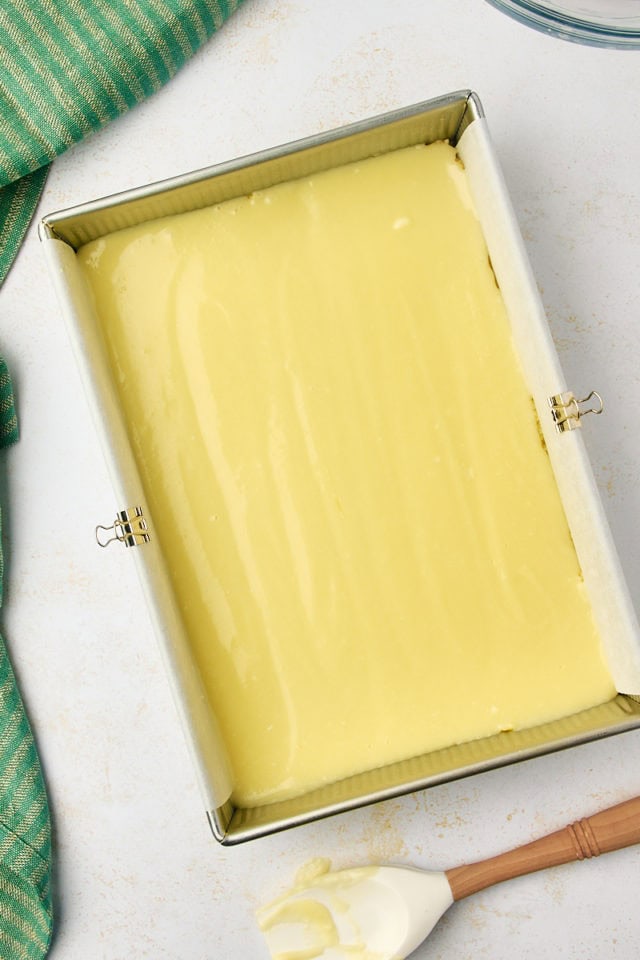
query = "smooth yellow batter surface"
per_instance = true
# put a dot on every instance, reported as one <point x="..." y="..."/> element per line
<point x="344" y="468"/>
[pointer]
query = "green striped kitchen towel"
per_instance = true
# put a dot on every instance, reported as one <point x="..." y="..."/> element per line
<point x="67" y="67"/>
<point x="25" y="832"/>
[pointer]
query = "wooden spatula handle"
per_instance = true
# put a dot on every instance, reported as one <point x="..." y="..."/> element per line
<point x="610" y="829"/>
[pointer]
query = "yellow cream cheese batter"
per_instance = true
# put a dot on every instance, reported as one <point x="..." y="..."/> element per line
<point x="301" y="924"/>
<point x="371" y="559"/>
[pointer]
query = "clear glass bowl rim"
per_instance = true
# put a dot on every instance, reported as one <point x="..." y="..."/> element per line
<point x="605" y="31"/>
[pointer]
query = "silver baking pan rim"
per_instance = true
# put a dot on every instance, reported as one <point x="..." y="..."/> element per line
<point x="62" y="233"/>
<point x="448" y="118"/>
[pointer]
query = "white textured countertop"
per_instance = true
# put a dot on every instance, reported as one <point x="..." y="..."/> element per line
<point x="137" y="871"/>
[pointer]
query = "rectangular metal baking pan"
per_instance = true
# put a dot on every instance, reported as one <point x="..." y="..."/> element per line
<point x="458" y="118"/>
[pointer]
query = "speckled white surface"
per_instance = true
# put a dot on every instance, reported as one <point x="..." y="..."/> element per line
<point x="137" y="873"/>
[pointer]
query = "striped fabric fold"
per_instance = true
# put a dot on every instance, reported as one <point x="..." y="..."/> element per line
<point x="18" y="202"/>
<point x="67" y="67"/>
<point x="25" y="830"/>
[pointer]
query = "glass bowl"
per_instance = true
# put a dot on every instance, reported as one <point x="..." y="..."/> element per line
<point x="603" y="23"/>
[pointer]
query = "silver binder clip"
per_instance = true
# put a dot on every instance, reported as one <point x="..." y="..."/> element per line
<point x="567" y="411"/>
<point x="130" y="527"/>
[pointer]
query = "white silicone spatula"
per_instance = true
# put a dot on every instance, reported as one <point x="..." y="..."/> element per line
<point x="384" y="913"/>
